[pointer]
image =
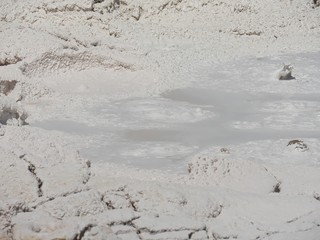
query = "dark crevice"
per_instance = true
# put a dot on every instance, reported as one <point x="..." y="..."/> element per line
<point x="73" y="192"/>
<point x="146" y="230"/>
<point x="216" y="236"/>
<point x="271" y="233"/>
<point x="126" y="223"/>
<point x="69" y="8"/>
<point x="88" y="166"/>
<point x="299" y="217"/>
<point x="271" y="174"/>
<point x="80" y="43"/>
<point x="131" y="202"/>
<point x="66" y="194"/>
<point x="109" y="204"/>
<point x="277" y="188"/>
<point x="190" y="235"/>
<point x="293" y="220"/>
<point x="83" y="231"/>
<point x="121" y="192"/>
<point x="33" y="170"/>
<point x="97" y="1"/>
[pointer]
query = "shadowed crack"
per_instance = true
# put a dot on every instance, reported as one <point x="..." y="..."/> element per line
<point x="192" y="232"/>
<point x="109" y="205"/>
<point x="299" y="217"/>
<point x="82" y="232"/>
<point x="122" y="194"/>
<point x="69" y="8"/>
<point x="131" y="202"/>
<point x="33" y="170"/>
<point x="164" y="230"/>
<point x="277" y="187"/>
<point x="126" y="223"/>
<point x="87" y="178"/>
<point x="216" y="236"/>
<point x="167" y="230"/>
<point x="316" y="196"/>
<point x="268" y="233"/>
<point x="66" y="194"/>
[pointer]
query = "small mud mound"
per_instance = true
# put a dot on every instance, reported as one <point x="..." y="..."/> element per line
<point x="285" y="73"/>
<point x="298" y="145"/>
<point x="241" y="175"/>
<point x="51" y="62"/>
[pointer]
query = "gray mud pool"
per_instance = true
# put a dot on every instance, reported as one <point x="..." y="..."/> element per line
<point x="163" y="132"/>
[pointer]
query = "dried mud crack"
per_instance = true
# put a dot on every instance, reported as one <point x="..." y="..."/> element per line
<point x="33" y="170"/>
<point x="88" y="167"/>
<point x="131" y="202"/>
<point x="66" y="194"/>
<point x="122" y="194"/>
<point x="83" y="231"/>
<point x="276" y="187"/>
